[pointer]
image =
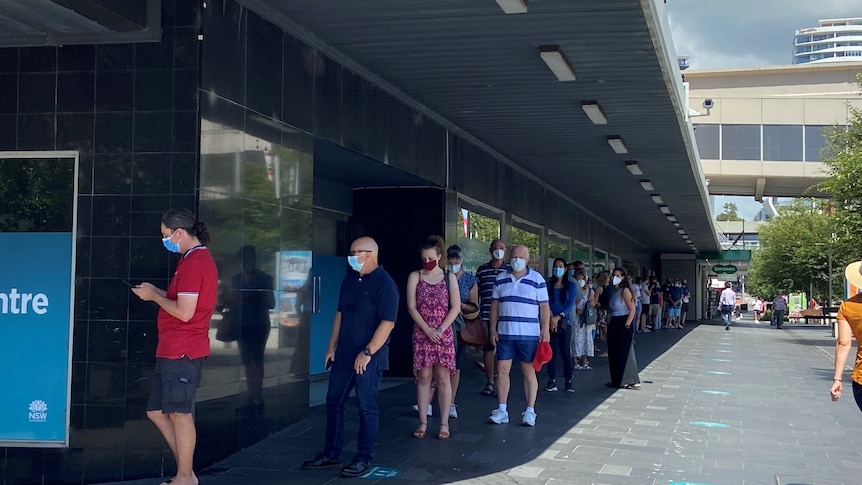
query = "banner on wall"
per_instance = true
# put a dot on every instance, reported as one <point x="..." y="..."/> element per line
<point x="35" y="330"/>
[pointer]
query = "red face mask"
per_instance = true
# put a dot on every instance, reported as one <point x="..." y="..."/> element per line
<point x="429" y="265"/>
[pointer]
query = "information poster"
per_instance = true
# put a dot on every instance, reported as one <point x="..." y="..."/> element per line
<point x="36" y="285"/>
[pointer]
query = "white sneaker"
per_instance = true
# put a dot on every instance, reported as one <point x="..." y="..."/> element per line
<point x="498" y="417"/>
<point x="453" y="411"/>
<point x="578" y="367"/>
<point x="529" y="418"/>
<point x="646" y="330"/>
<point x="416" y="408"/>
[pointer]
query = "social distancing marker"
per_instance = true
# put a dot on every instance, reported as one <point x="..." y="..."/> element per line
<point x="381" y="472"/>
<point x="724" y="351"/>
<point x="722" y="360"/>
<point x="718" y="372"/>
<point x="709" y="424"/>
<point x="687" y="483"/>
<point x="717" y="393"/>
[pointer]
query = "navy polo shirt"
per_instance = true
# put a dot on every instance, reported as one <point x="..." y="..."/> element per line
<point x="364" y="301"/>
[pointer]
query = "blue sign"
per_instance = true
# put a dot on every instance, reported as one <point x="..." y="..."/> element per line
<point x="381" y="472"/>
<point x="709" y="424"/>
<point x="717" y="393"/>
<point x="35" y="337"/>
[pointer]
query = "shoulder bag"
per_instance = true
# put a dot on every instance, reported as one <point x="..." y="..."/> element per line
<point x="459" y="324"/>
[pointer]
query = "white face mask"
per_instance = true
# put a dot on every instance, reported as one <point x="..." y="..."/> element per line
<point x="617" y="280"/>
<point x="498" y="253"/>
<point x="582" y="283"/>
<point x="456" y="268"/>
<point x="518" y="264"/>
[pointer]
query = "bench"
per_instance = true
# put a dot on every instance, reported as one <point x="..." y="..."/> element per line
<point x="824" y="315"/>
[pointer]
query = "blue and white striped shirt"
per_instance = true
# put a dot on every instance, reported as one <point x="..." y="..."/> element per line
<point x="518" y="305"/>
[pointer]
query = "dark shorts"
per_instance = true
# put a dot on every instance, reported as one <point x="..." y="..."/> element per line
<point x="645" y="309"/>
<point x="489" y="346"/>
<point x="684" y="307"/>
<point x="520" y="350"/>
<point x="857" y="394"/>
<point x="460" y="350"/>
<point x="173" y="385"/>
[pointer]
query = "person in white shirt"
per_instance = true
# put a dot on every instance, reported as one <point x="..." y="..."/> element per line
<point x="726" y="302"/>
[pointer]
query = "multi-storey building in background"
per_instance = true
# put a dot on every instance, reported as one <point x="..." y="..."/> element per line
<point x="833" y="40"/>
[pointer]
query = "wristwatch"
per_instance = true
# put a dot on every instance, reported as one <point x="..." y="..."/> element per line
<point x="367" y="351"/>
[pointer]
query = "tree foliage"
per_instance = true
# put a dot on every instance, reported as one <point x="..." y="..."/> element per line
<point x="844" y="185"/>
<point x="730" y="213"/>
<point x="794" y="253"/>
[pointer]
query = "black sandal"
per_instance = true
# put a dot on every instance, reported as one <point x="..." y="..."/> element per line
<point x="489" y="389"/>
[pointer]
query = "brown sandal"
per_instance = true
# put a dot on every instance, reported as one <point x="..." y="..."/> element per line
<point x="419" y="433"/>
<point x="489" y="389"/>
<point x="443" y="435"/>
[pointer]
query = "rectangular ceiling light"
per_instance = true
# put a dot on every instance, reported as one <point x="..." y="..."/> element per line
<point x="633" y="167"/>
<point x="557" y="62"/>
<point x="513" y="6"/>
<point x="664" y="209"/>
<point x="676" y="224"/>
<point x="647" y="185"/>
<point x="594" y="112"/>
<point x="681" y="231"/>
<point x="657" y="199"/>
<point x="616" y="142"/>
<point x="671" y="218"/>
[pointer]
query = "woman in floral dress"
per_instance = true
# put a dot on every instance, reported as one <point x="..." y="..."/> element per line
<point x="433" y="304"/>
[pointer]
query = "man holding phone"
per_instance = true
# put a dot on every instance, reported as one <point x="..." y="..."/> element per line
<point x="358" y="354"/>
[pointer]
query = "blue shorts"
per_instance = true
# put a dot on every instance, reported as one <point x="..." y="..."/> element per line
<point x="520" y="350"/>
<point x="173" y="385"/>
<point x="673" y="311"/>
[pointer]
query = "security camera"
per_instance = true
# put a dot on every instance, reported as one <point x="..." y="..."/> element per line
<point x="708" y="104"/>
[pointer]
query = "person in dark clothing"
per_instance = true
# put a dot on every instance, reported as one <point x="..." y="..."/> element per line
<point x="561" y="295"/>
<point x="621" y="355"/>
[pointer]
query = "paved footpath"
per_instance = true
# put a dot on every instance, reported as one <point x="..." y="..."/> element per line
<point x="745" y="406"/>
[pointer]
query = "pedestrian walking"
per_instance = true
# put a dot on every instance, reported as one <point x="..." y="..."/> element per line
<point x="726" y="302"/>
<point x="849" y="325"/>
<point x="779" y="306"/>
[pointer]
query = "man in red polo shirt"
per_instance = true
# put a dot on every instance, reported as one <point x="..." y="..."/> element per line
<point x="186" y="308"/>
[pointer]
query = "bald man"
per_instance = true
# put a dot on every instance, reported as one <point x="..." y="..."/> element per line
<point x="520" y="319"/>
<point x="358" y="354"/>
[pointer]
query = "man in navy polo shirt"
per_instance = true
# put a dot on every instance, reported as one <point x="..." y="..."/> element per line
<point x="520" y="319"/>
<point x="358" y="353"/>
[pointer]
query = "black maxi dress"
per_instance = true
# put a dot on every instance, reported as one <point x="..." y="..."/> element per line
<point x="621" y="351"/>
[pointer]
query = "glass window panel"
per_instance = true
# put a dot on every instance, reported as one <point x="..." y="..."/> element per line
<point x="475" y="237"/>
<point x="814" y="143"/>
<point x="782" y="143"/>
<point x="740" y="142"/>
<point x="707" y="141"/>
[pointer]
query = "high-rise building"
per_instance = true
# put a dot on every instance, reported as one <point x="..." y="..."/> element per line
<point x="833" y="40"/>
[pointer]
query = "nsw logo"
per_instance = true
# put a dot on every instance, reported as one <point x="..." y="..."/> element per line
<point x="38" y="411"/>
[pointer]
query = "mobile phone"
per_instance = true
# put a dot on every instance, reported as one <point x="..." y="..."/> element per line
<point x="328" y="363"/>
<point x="130" y="284"/>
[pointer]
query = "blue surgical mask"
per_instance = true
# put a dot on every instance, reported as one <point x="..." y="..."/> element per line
<point x="173" y="247"/>
<point x="518" y="264"/>
<point x="559" y="272"/>
<point x="456" y="268"/>
<point x="354" y="263"/>
<point x="571" y="273"/>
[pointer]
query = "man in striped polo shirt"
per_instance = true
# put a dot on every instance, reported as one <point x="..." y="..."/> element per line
<point x="520" y="318"/>
<point x="487" y="275"/>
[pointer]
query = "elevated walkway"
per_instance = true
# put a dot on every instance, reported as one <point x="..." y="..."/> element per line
<point x="746" y="406"/>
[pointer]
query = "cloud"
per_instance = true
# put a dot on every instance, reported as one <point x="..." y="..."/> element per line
<point x="740" y="33"/>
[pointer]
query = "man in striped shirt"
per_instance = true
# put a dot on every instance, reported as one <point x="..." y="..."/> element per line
<point x="520" y="318"/>
<point x="487" y="275"/>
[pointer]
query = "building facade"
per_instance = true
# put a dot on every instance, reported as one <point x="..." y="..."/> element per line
<point x="833" y="40"/>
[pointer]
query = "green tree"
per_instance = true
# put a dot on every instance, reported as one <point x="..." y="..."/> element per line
<point x="729" y="214"/>
<point x="794" y="253"/>
<point x="843" y="160"/>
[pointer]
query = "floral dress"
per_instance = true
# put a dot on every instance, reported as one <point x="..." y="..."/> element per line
<point x="432" y="302"/>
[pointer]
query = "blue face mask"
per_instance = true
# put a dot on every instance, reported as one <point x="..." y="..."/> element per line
<point x="559" y="272"/>
<point x="518" y="264"/>
<point x="354" y="263"/>
<point x="173" y="247"/>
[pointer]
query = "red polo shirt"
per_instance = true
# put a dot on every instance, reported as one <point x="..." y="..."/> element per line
<point x="196" y="275"/>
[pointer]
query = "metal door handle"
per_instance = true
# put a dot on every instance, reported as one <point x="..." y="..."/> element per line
<point x="315" y="297"/>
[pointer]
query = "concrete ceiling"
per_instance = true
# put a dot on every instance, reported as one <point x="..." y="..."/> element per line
<point x="480" y="71"/>
<point x="57" y="22"/>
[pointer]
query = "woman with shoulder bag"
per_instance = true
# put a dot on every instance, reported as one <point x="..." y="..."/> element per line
<point x="469" y="291"/>
<point x="561" y="296"/>
<point x="584" y="323"/>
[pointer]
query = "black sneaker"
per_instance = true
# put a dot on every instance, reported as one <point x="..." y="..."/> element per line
<point x="355" y="469"/>
<point x="570" y="387"/>
<point x="551" y="387"/>
<point x="320" y="462"/>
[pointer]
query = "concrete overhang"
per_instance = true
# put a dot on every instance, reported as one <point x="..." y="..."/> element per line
<point x="479" y="73"/>
<point x="63" y="22"/>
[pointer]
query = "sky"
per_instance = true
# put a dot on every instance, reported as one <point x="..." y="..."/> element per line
<point x="742" y="33"/>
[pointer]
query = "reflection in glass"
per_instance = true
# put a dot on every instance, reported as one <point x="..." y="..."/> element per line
<point x="532" y="241"/>
<point x="475" y="236"/>
<point x="44" y="206"/>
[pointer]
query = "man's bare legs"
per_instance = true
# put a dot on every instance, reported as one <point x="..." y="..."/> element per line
<point x="531" y="383"/>
<point x="179" y="432"/>
<point x="503" y="381"/>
